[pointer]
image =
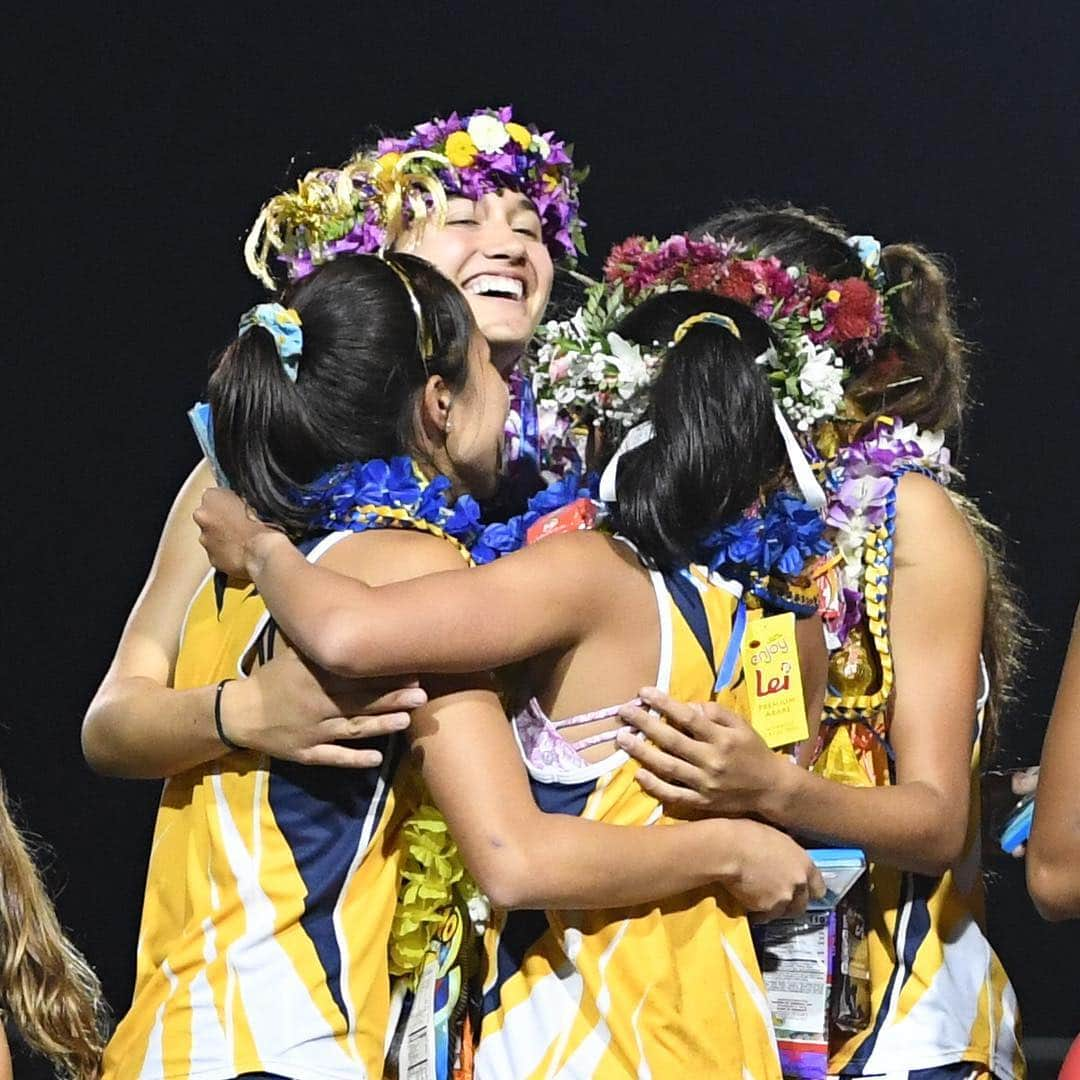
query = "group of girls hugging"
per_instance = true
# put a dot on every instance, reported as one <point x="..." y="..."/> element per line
<point x="360" y="866"/>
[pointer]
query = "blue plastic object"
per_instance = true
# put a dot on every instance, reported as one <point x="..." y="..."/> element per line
<point x="1018" y="827"/>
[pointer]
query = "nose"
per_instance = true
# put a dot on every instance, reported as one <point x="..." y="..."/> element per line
<point x="501" y="242"/>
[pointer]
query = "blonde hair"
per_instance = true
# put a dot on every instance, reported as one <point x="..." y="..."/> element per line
<point x="47" y="988"/>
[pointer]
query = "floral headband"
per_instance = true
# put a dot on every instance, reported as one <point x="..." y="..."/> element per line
<point x="820" y="325"/>
<point x="363" y="206"/>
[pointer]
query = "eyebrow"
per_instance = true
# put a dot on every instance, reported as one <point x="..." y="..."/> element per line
<point x="523" y="202"/>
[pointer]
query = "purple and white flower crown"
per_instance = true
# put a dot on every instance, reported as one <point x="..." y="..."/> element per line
<point x="363" y="206"/>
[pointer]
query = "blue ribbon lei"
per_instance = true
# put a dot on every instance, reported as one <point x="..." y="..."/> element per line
<point x="355" y="497"/>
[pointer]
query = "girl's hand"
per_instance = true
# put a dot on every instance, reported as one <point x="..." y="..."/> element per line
<point x="228" y="528"/>
<point x="290" y="709"/>
<point x="703" y="760"/>
<point x="775" y="877"/>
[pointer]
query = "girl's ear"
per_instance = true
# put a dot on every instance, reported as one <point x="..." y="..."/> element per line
<point x="435" y="406"/>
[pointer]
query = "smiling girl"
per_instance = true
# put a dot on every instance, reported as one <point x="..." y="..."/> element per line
<point x="509" y="200"/>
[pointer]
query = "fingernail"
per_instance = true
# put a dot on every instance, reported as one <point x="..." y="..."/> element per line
<point x="399" y="723"/>
<point x="414" y="698"/>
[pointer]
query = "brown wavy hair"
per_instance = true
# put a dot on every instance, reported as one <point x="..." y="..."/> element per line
<point x="919" y="372"/>
<point x="47" y="988"/>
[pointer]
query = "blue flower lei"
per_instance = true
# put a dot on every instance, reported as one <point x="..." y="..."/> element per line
<point x="356" y="497"/>
<point x="782" y="538"/>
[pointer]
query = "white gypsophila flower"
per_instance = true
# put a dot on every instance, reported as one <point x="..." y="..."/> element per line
<point x="597" y="369"/>
<point x="565" y="393"/>
<point x="488" y="133"/>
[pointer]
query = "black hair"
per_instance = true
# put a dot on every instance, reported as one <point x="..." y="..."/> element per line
<point x="360" y="376"/>
<point x="716" y="445"/>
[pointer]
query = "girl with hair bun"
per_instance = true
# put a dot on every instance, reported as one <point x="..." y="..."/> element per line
<point x="603" y="982"/>
<point x="48" y="992"/>
<point x="923" y="630"/>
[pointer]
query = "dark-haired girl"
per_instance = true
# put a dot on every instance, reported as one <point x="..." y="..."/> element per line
<point x="499" y="248"/>
<point x="924" y="628"/>
<point x="272" y="886"/>
<point x="634" y="988"/>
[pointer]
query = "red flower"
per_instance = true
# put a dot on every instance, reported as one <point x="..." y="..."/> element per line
<point x="818" y="284"/>
<point x="858" y="312"/>
<point x="702" y="278"/>
<point x="623" y="259"/>
<point x="739" y="283"/>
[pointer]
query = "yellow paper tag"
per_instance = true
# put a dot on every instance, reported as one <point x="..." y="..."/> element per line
<point x="770" y="658"/>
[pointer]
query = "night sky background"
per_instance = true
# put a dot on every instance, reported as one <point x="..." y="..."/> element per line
<point x="140" y="147"/>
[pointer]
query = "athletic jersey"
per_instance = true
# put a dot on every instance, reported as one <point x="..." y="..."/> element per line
<point x="659" y="990"/>
<point x="269" y="896"/>
<point x="939" y="994"/>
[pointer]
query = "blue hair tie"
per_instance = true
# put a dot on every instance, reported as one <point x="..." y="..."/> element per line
<point x="284" y="326"/>
<point x="868" y="249"/>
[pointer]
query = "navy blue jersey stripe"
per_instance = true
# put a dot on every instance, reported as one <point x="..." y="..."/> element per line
<point x="325" y="815"/>
<point x="562" y="798"/>
<point x="521" y="931"/>
<point x="917" y="890"/>
<point x="692" y="608"/>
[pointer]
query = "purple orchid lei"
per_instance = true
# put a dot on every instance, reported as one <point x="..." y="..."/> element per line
<point x="860" y="482"/>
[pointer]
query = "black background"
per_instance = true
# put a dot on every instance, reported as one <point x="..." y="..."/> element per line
<point x="143" y="146"/>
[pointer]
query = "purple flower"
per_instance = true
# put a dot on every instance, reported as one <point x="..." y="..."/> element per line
<point x="859" y="500"/>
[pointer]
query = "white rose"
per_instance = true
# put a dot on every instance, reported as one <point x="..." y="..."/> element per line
<point x="488" y="133"/>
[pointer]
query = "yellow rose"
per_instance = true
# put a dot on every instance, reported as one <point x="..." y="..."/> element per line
<point x="460" y="149"/>
<point x="521" y="135"/>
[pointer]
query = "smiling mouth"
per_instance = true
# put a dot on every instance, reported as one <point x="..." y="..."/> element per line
<point x="496" y="286"/>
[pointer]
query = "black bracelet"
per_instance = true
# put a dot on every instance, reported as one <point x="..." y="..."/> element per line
<point x="217" y="716"/>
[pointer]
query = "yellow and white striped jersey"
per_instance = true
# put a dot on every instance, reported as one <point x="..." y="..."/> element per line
<point x="269" y="896"/>
<point x="661" y="990"/>
<point x="939" y="994"/>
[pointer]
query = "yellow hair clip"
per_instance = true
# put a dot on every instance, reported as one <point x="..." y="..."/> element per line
<point x="713" y="318"/>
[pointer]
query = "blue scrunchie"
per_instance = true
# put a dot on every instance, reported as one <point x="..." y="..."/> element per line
<point x="868" y="248"/>
<point x="284" y="326"/>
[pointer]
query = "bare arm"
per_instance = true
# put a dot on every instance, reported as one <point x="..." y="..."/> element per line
<point x="1053" y="857"/>
<point x="521" y="856"/>
<point x="5" y="1056"/>
<point x="540" y="598"/>
<point x="919" y="823"/>
<point x="138" y="726"/>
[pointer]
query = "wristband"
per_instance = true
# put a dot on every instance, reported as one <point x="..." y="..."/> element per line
<point x="217" y="716"/>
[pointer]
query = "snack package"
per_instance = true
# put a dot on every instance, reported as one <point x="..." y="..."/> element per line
<point x="815" y="967"/>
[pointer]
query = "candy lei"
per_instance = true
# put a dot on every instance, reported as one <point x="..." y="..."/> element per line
<point x="395" y="494"/>
<point x="861" y="483"/>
